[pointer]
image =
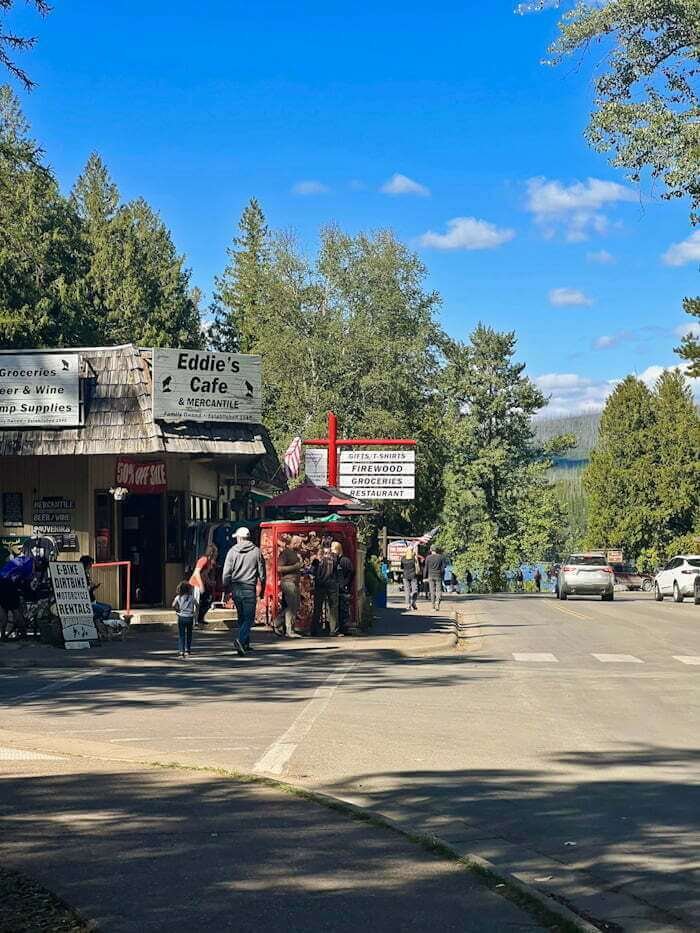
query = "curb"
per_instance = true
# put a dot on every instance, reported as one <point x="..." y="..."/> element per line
<point x="545" y="909"/>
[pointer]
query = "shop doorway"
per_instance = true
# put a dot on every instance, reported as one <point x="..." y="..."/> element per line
<point x="142" y="544"/>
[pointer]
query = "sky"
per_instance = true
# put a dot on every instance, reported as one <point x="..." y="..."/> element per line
<point x="440" y="121"/>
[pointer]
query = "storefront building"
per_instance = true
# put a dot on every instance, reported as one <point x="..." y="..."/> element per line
<point x="94" y="452"/>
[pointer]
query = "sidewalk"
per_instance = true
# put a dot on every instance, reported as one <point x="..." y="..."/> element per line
<point x="138" y="849"/>
<point x="408" y="634"/>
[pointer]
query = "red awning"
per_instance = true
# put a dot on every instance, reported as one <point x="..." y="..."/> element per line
<point x="308" y="496"/>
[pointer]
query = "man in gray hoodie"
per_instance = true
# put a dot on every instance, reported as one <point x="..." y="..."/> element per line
<point x="244" y="568"/>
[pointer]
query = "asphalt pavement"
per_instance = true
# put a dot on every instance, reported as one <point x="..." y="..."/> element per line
<point x="560" y="741"/>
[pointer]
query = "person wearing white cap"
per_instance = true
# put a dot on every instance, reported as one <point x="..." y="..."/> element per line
<point x="244" y="569"/>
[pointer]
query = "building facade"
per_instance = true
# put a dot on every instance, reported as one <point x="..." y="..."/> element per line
<point x="119" y="484"/>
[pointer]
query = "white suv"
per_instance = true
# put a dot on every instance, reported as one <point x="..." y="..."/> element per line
<point x="586" y="575"/>
<point x="678" y="578"/>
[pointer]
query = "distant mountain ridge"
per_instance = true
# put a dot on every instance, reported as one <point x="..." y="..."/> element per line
<point x="583" y="427"/>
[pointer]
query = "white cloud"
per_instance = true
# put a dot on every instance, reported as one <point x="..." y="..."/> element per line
<point x="572" y="394"/>
<point x="468" y="233"/>
<point x="402" y="184"/>
<point x="602" y="257"/>
<point x="310" y="186"/>
<point x="691" y="329"/>
<point x="569" y="298"/>
<point x="678" y="254"/>
<point x="575" y="208"/>
<point x="607" y="341"/>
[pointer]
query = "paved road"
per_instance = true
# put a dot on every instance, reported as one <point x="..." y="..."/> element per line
<point x="562" y="744"/>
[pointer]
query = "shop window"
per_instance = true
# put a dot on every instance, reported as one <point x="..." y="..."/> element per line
<point x="175" y="527"/>
<point x="104" y="527"/>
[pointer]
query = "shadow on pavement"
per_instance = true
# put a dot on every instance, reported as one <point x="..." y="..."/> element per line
<point x="139" y="850"/>
<point x="608" y="815"/>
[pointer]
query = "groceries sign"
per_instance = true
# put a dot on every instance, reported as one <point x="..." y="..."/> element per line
<point x="378" y="474"/>
<point x="39" y="390"/>
<point x="194" y="385"/>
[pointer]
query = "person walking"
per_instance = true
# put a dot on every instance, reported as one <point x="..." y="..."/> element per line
<point x="538" y="580"/>
<point x="346" y="575"/>
<point x="202" y="582"/>
<point x="289" y="566"/>
<point x="244" y="572"/>
<point x="410" y="569"/>
<point x="434" y="569"/>
<point x="326" y="591"/>
<point x="185" y="607"/>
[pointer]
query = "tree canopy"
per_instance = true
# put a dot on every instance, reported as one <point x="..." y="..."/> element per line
<point x="11" y="42"/>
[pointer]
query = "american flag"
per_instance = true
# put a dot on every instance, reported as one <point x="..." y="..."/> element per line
<point x="292" y="458"/>
<point x="428" y="536"/>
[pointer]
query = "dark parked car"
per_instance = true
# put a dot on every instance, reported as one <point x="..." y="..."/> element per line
<point x="626" y="575"/>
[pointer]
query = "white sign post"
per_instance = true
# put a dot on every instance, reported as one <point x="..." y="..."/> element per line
<point x="39" y="390"/>
<point x="195" y="385"/>
<point x="378" y="474"/>
<point x="72" y="598"/>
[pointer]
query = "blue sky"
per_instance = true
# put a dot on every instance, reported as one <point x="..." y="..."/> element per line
<point x="314" y="108"/>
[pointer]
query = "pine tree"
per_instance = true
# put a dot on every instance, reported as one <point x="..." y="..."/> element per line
<point x="621" y="477"/>
<point x="499" y="505"/>
<point x="690" y="347"/>
<point x="138" y="285"/>
<point x="677" y="477"/>
<point x="43" y="255"/>
<point x="241" y="306"/>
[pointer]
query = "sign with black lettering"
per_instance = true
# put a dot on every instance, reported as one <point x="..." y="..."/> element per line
<point x="196" y="385"/>
<point x="39" y="390"/>
<point x="73" y="605"/>
<point x="378" y="474"/>
<point x="12" y="509"/>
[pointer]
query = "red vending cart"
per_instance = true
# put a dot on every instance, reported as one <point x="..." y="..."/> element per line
<point x="274" y="537"/>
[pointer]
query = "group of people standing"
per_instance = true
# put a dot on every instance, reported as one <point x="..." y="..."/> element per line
<point x="433" y="574"/>
<point x="244" y="576"/>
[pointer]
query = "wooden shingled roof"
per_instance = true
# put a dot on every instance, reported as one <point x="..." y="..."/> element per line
<point x="118" y="419"/>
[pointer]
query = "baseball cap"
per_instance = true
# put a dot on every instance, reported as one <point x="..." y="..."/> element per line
<point x="241" y="533"/>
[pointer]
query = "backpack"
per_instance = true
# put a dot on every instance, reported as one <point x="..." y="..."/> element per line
<point x="327" y="570"/>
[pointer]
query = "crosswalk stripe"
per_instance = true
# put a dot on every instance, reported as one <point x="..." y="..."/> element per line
<point x="687" y="658"/>
<point x="618" y="659"/>
<point x="534" y="656"/>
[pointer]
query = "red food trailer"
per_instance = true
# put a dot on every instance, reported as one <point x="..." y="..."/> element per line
<point x="274" y="537"/>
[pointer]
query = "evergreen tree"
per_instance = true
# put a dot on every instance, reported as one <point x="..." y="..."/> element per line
<point x="621" y="477"/>
<point x="241" y="304"/>
<point x="677" y="476"/>
<point x="43" y="255"/>
<point x="11" y="42"/>
<point x="690" y="347"/>
<point x="137" y="283"/>
<point x="499" y="506"/>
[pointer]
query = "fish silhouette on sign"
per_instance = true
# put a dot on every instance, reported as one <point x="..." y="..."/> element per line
<point x="166" y="384"/>
<point x="248" y="389"/>
<point x="65" y="365"/>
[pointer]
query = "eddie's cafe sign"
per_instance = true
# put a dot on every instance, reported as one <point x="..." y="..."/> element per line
<point x="196" y="385"/>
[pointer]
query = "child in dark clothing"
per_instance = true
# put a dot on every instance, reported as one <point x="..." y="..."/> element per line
<point x="184" y="606"/>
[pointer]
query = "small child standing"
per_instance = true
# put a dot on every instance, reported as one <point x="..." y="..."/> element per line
<point x="183" y="604"/>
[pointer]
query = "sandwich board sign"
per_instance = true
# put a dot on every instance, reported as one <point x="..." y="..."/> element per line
<point x="39" y="390"/>
<point x="378" y="474"/>
<point x="196" y="385"/>
<point x="73" y="604"/>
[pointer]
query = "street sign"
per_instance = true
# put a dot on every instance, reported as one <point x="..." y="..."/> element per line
<point x="316" y="465"/>
<point x="72" y="598"/>
<point x="195" y="385"/>
<point x="39" y="390"/>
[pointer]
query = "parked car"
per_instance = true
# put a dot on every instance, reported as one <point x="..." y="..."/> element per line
<point x="679" y="578"/>
<point x="626" y="576"/>
<point x="586" y="575"/>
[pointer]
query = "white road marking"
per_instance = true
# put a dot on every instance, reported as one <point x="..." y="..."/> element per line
<point x="618" y="659"/>
<point x="534" y="656"/>
<point x="81" y="731"/>
<point x="278" y="754"/>
<point x="18" y="754"/>
<point x="148" y="738"/>
<point x="55" y="685"/>
<point x="687" y="658"/>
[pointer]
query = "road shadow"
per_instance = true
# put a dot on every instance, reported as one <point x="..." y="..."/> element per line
<point x="627" y="820"/>
<point x="181" y="851"/>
